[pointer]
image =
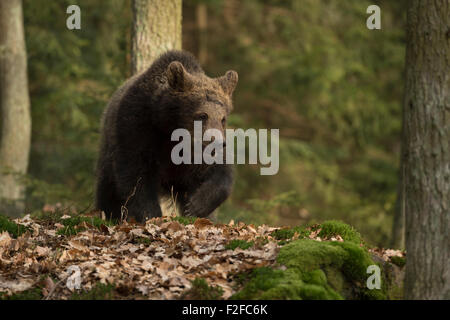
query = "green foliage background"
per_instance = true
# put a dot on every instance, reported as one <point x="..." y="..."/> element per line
<point x="308" y="67"/>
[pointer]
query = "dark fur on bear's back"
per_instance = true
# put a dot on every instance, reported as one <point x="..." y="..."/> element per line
<point x="134" y="166"/>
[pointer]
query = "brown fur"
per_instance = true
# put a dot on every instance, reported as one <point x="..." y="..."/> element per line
<point x="134" y="167"/>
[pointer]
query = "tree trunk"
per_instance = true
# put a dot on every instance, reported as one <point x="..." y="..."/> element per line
<point x="156" y="29"/>
<point x="230" y="10"/>
<point x="201" y="17"/>
<point x="15" y="107"/>
<point x="426" y="141"/>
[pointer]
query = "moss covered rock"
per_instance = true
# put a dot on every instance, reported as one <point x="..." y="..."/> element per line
<point x="334" y="228"/>
<point x="311" y="269"/>
<point x="269" y="284"/>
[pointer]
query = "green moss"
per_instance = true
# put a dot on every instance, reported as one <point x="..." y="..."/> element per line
<point x="329" y="229"/>
<point x="262" y="280"/>
<point x="202" y="291"/>
<point x="270" y="284"/>
<point x="72" y="224"/>
<point x="30" y="294"/>
<point x="99" y="292"/>
<point x="355" y="270"/>
<point x="13" y="228"/>
<point x="337" y="280"/>
<point x="142" y="240"/>
<point x="395" y="292"/>
<point x="317" y="277"/>
<point x="288" y="233"/>
<point x="314" y="270"/>
<point x="374" y="294"/>
<point x="334" y="228"/>
<point x="399" y="261"/>
<point x="356" y="261"/>
<point x="244" y="245"/>
<point x="348" y="258"/>
<point x="307" y="255"/>
<point x="48" y="216"/>
<point x="184" y="220"/>
<point x="282" y="234"/>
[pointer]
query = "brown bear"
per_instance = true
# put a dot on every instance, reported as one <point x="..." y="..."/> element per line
<point x="135" y="168"/>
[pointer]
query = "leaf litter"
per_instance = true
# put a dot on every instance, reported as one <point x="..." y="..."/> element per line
<point x="155" y="260"/>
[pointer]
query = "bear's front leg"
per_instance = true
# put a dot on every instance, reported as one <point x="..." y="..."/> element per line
<point x="142" y="203"/>
<point x="137" y="186"/>
<point x="210" y="194"/>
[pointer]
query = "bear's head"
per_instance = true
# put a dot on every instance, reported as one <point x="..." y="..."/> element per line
<point x="201" y="98"/>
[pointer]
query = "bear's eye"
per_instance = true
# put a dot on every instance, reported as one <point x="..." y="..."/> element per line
<point x="201" y="117"/>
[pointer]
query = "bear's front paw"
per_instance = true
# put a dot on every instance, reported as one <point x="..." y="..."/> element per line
<point x="195" y="210"/>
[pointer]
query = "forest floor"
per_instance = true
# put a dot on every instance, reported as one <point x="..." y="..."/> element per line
<point x="61" y="256"/>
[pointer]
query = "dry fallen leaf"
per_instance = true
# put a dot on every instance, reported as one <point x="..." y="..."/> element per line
<point x="78" y="245"/>
<point x="5" y="239"/>
<point x="201" y="223"/>
<point x="42" y="251"/>
<point x="48" y="286"/>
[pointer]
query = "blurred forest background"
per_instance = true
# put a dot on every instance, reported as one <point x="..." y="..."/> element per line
<point x="310" y="68"/>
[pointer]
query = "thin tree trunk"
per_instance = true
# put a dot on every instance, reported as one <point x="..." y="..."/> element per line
<point x="230" y="8"/>
<point x="201" y="17"/>
<point x="15" y="107"/>
<point x="426" y="141"/>
<point x="156" y="29"/>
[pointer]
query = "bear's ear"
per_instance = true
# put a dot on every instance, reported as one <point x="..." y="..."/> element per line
<point x="179" y="79"/>
<point x="229" y="81"/>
